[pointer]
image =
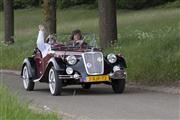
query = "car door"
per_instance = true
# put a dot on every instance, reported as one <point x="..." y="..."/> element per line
<point x="39" y="63"/>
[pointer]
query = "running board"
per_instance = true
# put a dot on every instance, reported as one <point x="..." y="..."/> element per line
<point x="36" y="80"/>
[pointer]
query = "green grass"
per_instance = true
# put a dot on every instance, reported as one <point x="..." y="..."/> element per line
<point x="12" y="109"/>
<point x="149" y="39"/>
<point x="150" y="42"/>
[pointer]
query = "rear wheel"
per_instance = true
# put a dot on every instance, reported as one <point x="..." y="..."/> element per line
<point x="55" y="84"/>
<point x="86" y="86"/>
<point x="118" y="86"/>
<point x="27" y="83"/>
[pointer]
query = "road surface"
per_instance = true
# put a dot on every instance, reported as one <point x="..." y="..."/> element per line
<point x="99" y="103"/>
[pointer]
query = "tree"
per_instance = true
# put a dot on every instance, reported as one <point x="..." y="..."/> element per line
<point x="107" y="22"/>
<point x="9" y="21"/>
<point x="50" y="15"/>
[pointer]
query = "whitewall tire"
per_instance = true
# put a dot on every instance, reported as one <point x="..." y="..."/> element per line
<point x="55" y="84"/>
<point x="27" y="83"/>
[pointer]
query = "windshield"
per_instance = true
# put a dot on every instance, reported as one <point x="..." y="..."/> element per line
<point x="88" y="38"/>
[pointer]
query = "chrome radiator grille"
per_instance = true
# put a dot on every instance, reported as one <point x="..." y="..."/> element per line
<point x="94" y="63"/>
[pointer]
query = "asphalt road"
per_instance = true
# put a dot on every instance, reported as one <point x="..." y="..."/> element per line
<point x="99" y="103"/>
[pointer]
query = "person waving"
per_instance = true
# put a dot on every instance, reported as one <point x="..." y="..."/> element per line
<point x="41" y="44"/>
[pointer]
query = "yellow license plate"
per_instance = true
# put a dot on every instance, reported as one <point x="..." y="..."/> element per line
<point x="97" y="78"/>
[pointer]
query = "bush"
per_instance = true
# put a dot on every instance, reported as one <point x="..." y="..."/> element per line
<point x="139" y="4"/>
<point x="64" y="3"/>
<point x="122" y="4"/>
<point x="69" y="3"/>
<point x="130" y="4"/>
<point x="25" y="3"/>
<point x="20" y="4"/>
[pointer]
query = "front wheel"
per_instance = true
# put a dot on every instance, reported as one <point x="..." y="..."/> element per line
<point x="27" y="83"/>
<point x="55" y="84"/>
<point x="118" y="85"/>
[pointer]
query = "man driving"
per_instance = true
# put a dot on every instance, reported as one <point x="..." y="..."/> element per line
<point x="76" y="39"/>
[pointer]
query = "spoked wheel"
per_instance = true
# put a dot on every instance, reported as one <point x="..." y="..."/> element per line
<point x="28" y="84"/>
<point x="86" y="86"/>
<point x="118" y="86"/>
<point x="55" y="84"/>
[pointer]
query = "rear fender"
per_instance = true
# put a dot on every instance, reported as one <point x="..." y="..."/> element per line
<point x="30" y="63"/>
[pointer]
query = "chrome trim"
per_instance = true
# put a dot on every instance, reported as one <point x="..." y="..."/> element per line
<point x="68" y="77"/>
<point x="121" y="74"/>
<point x="36" y="80"/>
<point x="86" y="62"/>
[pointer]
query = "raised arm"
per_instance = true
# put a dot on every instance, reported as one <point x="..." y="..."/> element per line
<point x="40" y="40"/>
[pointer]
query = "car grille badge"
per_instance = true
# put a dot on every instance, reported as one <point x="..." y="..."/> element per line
<point x="89" y="65"/>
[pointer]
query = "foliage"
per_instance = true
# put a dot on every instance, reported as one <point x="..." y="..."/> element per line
<point x="25" y="3"/>
<point x="69" y="3"/>
<point x="19" y="4"/>
<point x="139" y="4"/>
<point x="130" y="4"/>
<point x="175" y="4"/>
<point x="12" y="109"/>
<point x="121" y="4"/>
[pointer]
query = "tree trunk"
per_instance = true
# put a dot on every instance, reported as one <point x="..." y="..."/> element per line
<point x="107" y="22"/>
<point x="50" y="15"/>
<point x="9" y="22"/>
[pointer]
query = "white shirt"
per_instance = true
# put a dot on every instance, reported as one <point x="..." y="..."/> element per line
<point x="42" y="46"/>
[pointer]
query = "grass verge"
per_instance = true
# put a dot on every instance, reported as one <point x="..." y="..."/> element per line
<point x="12" y="109"/>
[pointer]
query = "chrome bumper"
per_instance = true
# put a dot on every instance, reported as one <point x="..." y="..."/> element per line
<point x="121" y="74"/>
<point x="69" y="77"/>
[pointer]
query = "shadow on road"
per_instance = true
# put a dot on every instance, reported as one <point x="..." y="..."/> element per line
<point x="96" y="90"/>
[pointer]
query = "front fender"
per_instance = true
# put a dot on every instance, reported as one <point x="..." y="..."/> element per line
<point x="30" y="63"/>
<point x="57" y="63"/>
<point x="122" y="61"/>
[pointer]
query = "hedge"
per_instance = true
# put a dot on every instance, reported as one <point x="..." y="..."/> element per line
<point x="122" y="4"/>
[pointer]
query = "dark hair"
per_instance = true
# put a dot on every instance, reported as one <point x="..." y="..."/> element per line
<point x="51" y="38"/>
<point x="74" y="32"/>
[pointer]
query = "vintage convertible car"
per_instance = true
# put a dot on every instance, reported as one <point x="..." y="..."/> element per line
<point x="70" y="65"/>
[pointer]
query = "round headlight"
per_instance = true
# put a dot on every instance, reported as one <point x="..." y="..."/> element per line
<point x="112" y="58"/>
<point x="71" y="60"/>
<point x="69" y="70"/>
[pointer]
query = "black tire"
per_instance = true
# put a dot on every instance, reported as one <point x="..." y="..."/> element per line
<point x="27" y="82"/>
<point x="86" y="86"/>
<point x="55" y="84"/>
<point x="118" y="86"/>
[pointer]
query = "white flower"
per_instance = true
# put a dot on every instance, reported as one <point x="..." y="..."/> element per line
<point x="46" y="108"/>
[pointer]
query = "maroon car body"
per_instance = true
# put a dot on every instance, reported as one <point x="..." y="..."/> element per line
<point x="68" y="65"/>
